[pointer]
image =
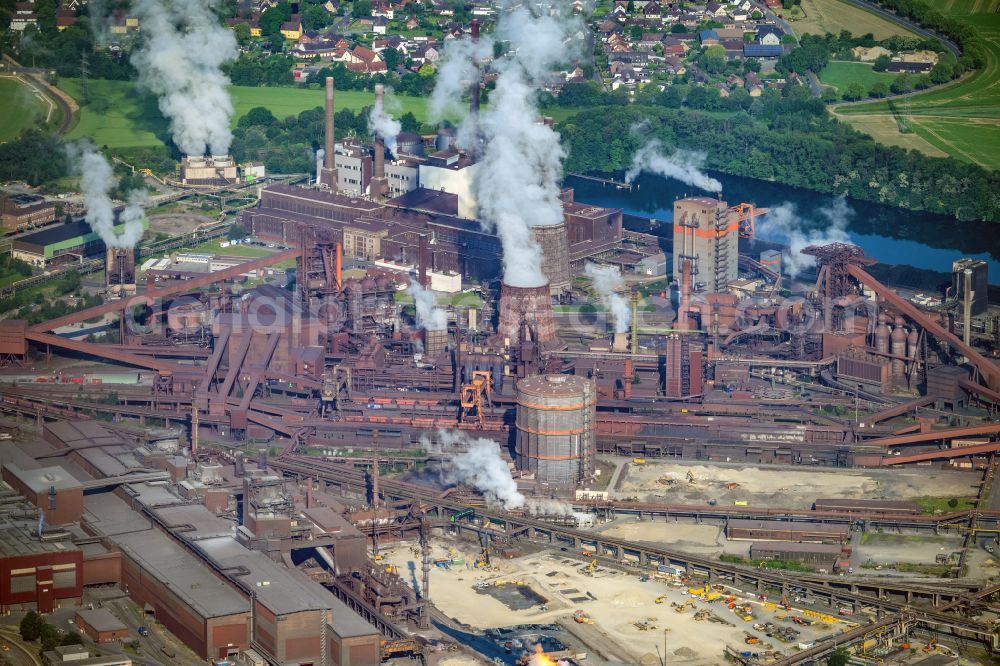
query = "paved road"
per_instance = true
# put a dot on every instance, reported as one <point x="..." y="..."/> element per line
<point x="906" y="23"/>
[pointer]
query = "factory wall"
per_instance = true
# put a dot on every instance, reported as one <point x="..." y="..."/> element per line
<point x="353" y="651"/>
<point x="454" y="181"/>
<point x="69" y="501"/>
<point x="44" y="581"/>
<point x="208" y="637"/>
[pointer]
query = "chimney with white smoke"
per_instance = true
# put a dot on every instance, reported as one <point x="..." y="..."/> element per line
<point x="97" y="180"/>
<point x="429" y="316"/>
<point x="784" y="224"/>
<point x="180" y="60"/>
<point x="385" y="130"/>
<point x="608" y="282"/>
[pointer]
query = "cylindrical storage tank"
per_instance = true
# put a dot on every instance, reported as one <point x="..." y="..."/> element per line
<point x="409" y="143"/>
<point x="882" y="338"/>
<point x="556" y="428"/>
<point x="898" y="348"/>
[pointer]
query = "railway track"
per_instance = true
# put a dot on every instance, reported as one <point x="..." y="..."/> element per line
<point x="886" y="595"/>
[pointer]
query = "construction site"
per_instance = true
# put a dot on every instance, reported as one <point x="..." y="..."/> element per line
<point x="396" y="450"/>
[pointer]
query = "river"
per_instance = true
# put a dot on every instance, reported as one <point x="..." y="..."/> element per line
<point x="891" y="235"/>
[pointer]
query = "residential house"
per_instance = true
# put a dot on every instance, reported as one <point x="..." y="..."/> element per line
<point x="708" y="37"/>
<point x="723" y="89"/>
<point x="715" y="10"/>
<point x="23" y="16"/>
<point x="380" y="25"/>
<point x="676" y="66"/>
<point x="899" y="66"/>
<point x="754" y="50"/>
<point x="65" y="18"/>
<point x="674" y="46"/>
<point x="292" y="28"/>
<point x="733" y="47"/>
<point x="362" y="60"/>
<point x="121" y="22"/>
<point x="652" y="10"/>
<point x="412" y="23"/>
<point x="383" y="9"/>
<point x="769" y="35"/>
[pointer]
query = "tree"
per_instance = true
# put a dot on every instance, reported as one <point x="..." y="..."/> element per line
<point x="236" y="232"/>
<point x="881" y="63"/>
<point x="391" y="58"/>
<point x="361" y="8"/>
<point x="879" y="90"/>
<point x="271" y="20"/>
<point x="678" y="28"/>
<point x="46" y="12"/>
<point x="409" y="122"/>
<point x="941" y="72"/>
<point x="953" y="502"/>
<point x="635" y="32"/>
<point x="751" y="65"/>
<point x="902" y="84"/>
<point x="840" y="657"/>
<point x="31" y="626"/>
<point x="315" y="17"/>
<point x="854" y="91"/>
<point x="242" y="33"/>
<point x="258" y="115"/>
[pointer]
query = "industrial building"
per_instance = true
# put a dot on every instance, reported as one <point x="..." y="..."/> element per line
<point x="774" y="530"/>
<point x="100" y="625"/>
<point x="706" y="232"/>
<point x="65" y="243"/>
<point x="817" y="555"/>
<point x="24" y="211"/>
<point x="970" y="283"/>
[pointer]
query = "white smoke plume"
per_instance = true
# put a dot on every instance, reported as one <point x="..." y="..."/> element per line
<point x="383" y="124"/>
<point x="479" y="465"/>
<point x="682" y="165"/>
<point x="784" y="224"/>
<point x="429" y="316"/>
<point x="455" y="75"/>
<point x="477" y="462"/>
<point x="517" y="181"/>
<point x="320" y="155"/>
<point x="607" y="282"/>
<point x="180" y="60"/>
<point x="97" y="179"/>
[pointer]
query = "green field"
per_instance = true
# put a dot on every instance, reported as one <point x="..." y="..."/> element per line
<point x="840" y="74"/>
<point x="20" y="108"/>
<point x="961" y="119"/>
<point x="822" y="16"/>
<point x="122" y="117"/>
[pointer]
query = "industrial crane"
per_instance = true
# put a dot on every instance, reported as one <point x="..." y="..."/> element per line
<point x="475" y="395"/>
<point x="747" y="215"/>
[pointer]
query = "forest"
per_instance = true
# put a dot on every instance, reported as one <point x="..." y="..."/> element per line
<point x="789" y="141"/>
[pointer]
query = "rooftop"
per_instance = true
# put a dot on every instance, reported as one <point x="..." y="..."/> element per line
<point x="41" y="479"/>
<point x="101" y="619"/>
<point x="17" y="539"/>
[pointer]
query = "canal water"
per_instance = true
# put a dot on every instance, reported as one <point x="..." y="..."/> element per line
<point x="891" y="235"/>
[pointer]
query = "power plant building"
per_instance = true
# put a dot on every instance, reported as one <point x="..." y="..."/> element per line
<point x="707" y="233"/>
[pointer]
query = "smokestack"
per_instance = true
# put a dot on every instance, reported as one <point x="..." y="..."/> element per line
<point x="967" y="296"/>
<point x="309" y="493"/>
<point x="378" y="184"/>
<point x="330" y="171"/>
<point x="685" y="296"/>
<point x="474" y="90"/>
<point x="422" y="261"/>
<point x="262" y="459"/>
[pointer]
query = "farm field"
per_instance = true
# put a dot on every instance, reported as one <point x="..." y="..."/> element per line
<point x="20" y="108"/>
<point x="822" y="16"/>
<point x="961" y="119"/>
<point x="125" y="118"/>
<point x="840" y="74"/>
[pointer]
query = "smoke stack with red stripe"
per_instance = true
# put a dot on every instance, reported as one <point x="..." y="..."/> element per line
<point x="328" y="174"/>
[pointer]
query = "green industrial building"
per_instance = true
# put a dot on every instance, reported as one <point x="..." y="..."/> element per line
<point x="66" y="243"/>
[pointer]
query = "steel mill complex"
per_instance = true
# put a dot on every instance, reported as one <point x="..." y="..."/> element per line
<point x="365" y="443"/>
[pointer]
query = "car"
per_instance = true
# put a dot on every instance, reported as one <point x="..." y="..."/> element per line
<point x="143" y="631"/>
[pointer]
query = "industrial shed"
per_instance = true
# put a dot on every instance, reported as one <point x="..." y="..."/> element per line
<point x="819" y="555"/>
<point x="780" y="530"/>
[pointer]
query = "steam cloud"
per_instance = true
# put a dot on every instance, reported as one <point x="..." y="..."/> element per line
<point x="181" y="61"/>
<point x="783" y="223"/>
<point x="97" y="179"/>
<point x="429" y="317"/>
<point x="517" y="182"/>
<point x="682" y="165"/>
<point x="381" y="123"/>
<point x="607" y="281"/>
<point x="320" y="155"/>
<point x="479" y="465"/>
<point x="456" y="72"/>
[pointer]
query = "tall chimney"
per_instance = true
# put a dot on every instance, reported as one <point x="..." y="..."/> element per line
<point x="685" y="296"/>
<point x="474" y="87"/>
<point x="329" y="168"/>
<point x="378" y="184"/>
